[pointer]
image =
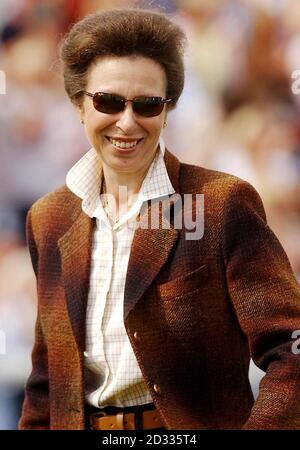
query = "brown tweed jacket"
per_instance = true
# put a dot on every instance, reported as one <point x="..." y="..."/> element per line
<point x="199" y="309"/>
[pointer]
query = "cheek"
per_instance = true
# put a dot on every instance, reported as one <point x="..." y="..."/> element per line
<point x="96" y="121"/>
<point x="153" y="128"/>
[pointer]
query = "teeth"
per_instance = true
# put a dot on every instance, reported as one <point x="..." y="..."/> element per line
<point x="123" y="144"/>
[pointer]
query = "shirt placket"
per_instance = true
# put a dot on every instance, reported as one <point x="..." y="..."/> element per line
<point x="108" y="237"/>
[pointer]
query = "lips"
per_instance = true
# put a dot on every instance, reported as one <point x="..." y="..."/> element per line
<point x="124" y="145"/>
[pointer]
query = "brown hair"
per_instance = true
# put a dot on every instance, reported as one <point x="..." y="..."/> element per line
<point x="123" y="32"/>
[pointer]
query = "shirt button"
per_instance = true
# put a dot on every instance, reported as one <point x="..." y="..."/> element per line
<point x="156" y="388"/>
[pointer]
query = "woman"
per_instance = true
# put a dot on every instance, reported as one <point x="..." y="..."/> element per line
<point x="140" y="324"/>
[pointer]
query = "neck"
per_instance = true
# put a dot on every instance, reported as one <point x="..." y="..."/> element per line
<point x="116" y="182"/>
<point x="122" y="189"/>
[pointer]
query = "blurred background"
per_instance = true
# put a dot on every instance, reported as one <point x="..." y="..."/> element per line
<point x="237" y="114"/>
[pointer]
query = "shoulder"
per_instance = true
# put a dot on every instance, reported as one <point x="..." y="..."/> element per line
<point x="223" y="192"/>
<point x="195" y="177"/>
<point x="61" y="197"/>
<point x="54" y="212"/>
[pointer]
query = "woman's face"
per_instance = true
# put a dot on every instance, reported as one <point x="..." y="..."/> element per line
<point x="129" y="77"/>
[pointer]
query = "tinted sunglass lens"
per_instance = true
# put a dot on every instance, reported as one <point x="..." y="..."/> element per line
<point x="148" y="108"/>
<point x="108" y="104"/>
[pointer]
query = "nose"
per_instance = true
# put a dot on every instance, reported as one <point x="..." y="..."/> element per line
<point x="127" y="121"/>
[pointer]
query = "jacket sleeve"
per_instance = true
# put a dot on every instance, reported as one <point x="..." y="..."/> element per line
<point x="266" y="297"/>
<point x="35" y="411"/>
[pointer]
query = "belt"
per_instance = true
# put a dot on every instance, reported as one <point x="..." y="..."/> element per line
<point x="144" y="420"/>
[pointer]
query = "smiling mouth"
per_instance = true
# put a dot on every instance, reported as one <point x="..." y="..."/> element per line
<point x="124" y="145"/>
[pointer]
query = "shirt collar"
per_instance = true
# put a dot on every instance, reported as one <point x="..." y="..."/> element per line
<point x="84" y="180"/>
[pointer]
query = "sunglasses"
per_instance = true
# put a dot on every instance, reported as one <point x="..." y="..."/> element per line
<point x="113" y="103"/>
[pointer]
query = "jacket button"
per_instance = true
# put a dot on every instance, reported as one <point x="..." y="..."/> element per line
<point x="156" y="388"/>
<point x="136" y="336"/>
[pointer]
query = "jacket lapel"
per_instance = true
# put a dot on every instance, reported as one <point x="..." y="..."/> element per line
<point x="75" y="249"/>
<point x="150" y="247"/>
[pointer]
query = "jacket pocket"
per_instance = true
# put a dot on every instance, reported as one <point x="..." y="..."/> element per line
<point x="184" y="284"/>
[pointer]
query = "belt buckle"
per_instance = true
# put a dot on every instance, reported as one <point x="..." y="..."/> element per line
<point x="97" y="415"/>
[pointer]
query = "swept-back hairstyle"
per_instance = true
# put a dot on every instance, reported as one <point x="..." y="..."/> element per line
<point x="123" y="32"/>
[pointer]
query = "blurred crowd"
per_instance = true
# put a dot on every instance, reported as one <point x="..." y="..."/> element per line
<point x="237" y="114"/>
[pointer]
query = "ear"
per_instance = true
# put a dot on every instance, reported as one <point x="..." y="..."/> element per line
<point x="168" y="107"/>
